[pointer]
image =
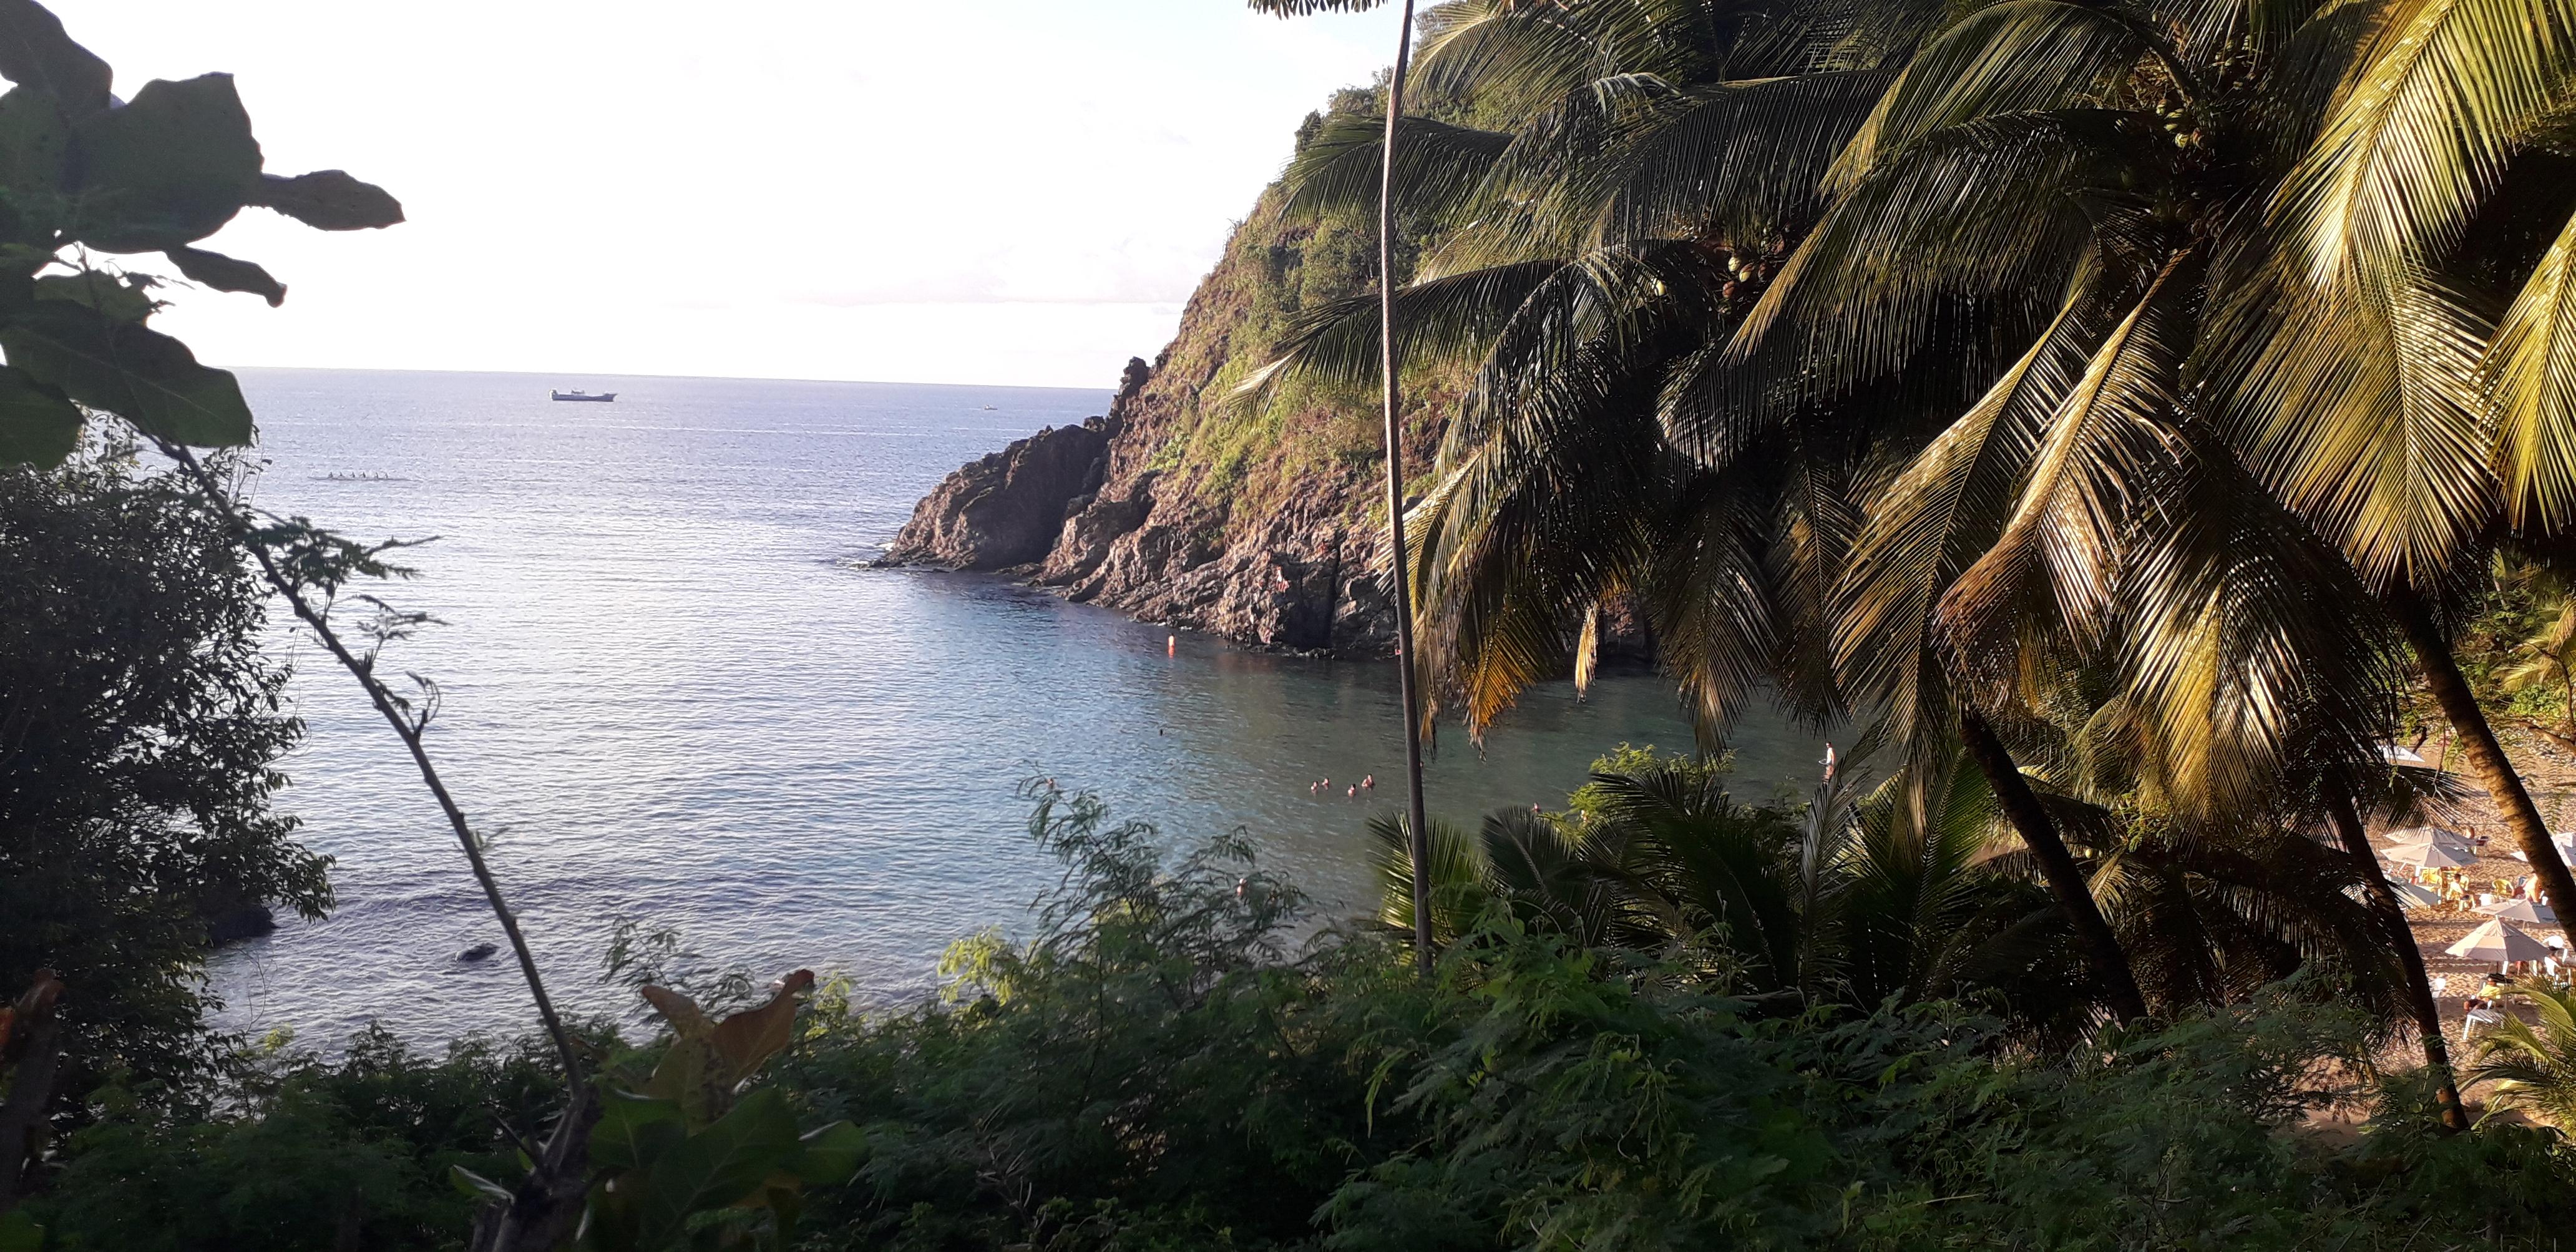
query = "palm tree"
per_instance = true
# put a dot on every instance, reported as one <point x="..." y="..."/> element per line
<point x="2366" y="386"/>
<point x="1854" y="903"/>
<point x="2550" y="661"/>
<point x="2534" y="1068"/>
<point x="1610" y="247"/>
<point x="1406" y="665"/>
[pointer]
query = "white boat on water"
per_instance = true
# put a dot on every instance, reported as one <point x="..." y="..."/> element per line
<point x="604" y="397"/>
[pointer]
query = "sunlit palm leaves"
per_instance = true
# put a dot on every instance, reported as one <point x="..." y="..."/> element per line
<point x="2532" y="375"/>
<point x="2533" y="1067"/>
<point x="2090" y="365"/>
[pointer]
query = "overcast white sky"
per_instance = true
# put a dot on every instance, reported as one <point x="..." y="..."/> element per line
<point x="989" y="191"/>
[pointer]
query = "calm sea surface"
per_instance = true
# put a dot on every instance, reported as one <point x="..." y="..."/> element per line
<point x="673" y="697"/>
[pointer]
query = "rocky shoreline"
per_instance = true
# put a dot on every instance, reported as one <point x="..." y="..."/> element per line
<point x="1082" y="510"/>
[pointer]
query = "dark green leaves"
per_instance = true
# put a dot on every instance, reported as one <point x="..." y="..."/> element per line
<point x="34" y="52"/>
<point x="662" y="1176"/>
<point x="33" y="144"/>
<point x="1300" y="8"/>
<point x="37" y="424"/>
<point x="723" y="1163"/>
<point x="143" y="376"/>
<point x="328" y="200"/>
<point x="224" y="273"/>
<point x="118" y="300"/>
<point x="832" y="1155"/>
<point x="634" y="1130"/>
<point x="168" y="169"/>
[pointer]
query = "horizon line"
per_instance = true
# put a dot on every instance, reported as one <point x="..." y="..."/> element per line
<point x="717" y="378"/>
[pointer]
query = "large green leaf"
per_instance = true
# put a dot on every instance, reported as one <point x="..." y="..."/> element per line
<point x="34" y="52"/>
<point x="37" y="425"/>
<point x="832" y="1154"/>
<point x="634" y="1130"/>
<point x="720" y="1165"/>
<point x="328" y="200"/>
<point x="168" y="169"/>
<point x="119" y="300"/>
<point x="145" y="377"/>
<point x="224" y="273"/>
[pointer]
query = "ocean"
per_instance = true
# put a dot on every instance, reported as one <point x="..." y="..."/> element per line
<point x="673" y="694"/>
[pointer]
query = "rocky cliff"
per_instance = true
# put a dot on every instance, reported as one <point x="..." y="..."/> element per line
<point x="1183" y="506"/>
<point x="1006" y="508"/>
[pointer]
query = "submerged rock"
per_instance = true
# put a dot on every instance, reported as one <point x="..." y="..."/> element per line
<point x="479" y="952"/>
<point x="248" y="921"/>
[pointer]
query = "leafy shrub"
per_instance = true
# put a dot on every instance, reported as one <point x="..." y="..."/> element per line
<point x="1160" y="1064"/>
<point x="307" y="1155"/>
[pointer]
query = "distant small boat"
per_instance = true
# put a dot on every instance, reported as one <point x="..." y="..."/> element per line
<point x="603" y="397"/>
<point x="988" y="408"/>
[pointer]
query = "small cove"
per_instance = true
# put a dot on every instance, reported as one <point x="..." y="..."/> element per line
<point x="672" y="695"/>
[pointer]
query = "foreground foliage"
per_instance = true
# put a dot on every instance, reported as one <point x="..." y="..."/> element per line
<point x="140" y="734"/>
<point x="1161" y="1066"/>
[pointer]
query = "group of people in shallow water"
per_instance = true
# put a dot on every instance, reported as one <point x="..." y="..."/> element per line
<point x="1324" y="787"/>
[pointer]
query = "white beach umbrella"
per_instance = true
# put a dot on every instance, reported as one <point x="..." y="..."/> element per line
<point x="2431" y="856"/>
<point x="2499" y="942"/>
<point x="2431" y="834"/>
<point x="2523" y="911"/>
<point x="2415" y="896"/>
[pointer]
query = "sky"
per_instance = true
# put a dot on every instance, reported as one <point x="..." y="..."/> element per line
<point x="979" y="191"/>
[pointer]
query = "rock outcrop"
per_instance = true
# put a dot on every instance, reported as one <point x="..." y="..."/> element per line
<point x="1007" y="508"/>
<point x="1303" y="575"/>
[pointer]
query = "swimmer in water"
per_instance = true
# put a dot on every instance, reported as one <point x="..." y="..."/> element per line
<point x="1352" y="792"/>
<point x="1369" y="781"/>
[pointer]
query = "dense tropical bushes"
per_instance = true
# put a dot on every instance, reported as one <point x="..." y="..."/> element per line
<point x="141" y="727"/>
<point x="291" y="1152"/>
<point x="1164" y="1065"/>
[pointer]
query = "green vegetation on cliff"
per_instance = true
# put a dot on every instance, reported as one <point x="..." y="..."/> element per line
<point x="1283" y="271"/>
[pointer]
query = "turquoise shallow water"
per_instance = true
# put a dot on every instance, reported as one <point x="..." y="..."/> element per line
<point x="674" y="697"/>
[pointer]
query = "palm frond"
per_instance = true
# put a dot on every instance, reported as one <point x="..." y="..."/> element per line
<point x="1301" y="8"/>
<point x="2014" y="57"/>
<point x="2248" y="648"/>
<point x="2420" y="130"/>
<point x="1340" y="169"/>
<point x="1458" y="889"/>
<point x="2047" y="576"/>
<point x="1337" y="343"/>
<point x="1735" y="160"/>
<point x="2358" y="405"/>
<point x="2530" y="370"/>
<point x="1937" y="517"/>
<point x="1963" y="230"/>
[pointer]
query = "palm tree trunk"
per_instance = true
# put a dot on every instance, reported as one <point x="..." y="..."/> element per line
<point x="1399" y="570"/>
<point x="2486" y="756"/>
<point x="2419" y="985"/>
<point x="2028" y="816"/>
